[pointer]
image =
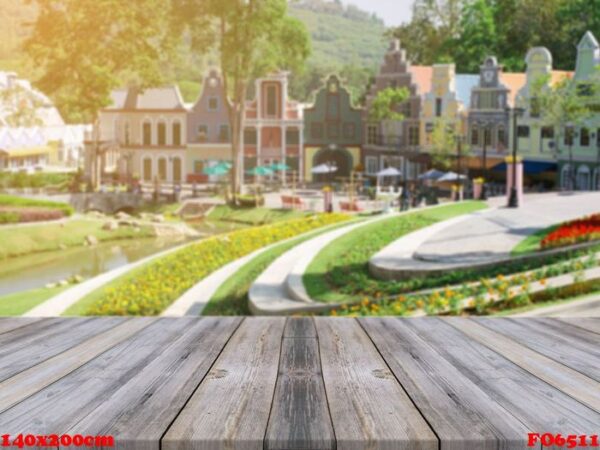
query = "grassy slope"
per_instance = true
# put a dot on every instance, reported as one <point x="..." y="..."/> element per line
<point x="532" y="242"/>
<point x="254" y="216"/>
<point x="348" y="255"/>
<point x="232" y="297"/>
<point x="21" y="302"/>
<point x="22" y="240"/>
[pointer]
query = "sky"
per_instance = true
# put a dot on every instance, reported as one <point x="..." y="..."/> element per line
<point x="393" y="12"/>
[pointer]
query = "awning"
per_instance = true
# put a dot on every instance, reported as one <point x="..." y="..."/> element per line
<point x="530" y="167"/>
<point x="31" y="151"/>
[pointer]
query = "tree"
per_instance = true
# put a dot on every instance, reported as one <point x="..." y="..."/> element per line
<point x="254" y="37"/>
<point x="386" y="104"/>
<point x="564" y="107"/>
<point x="443" y="141"/>
<point x="21" y="107"/>
<point x="86" y="48"/>
<point x="477" y="37"/>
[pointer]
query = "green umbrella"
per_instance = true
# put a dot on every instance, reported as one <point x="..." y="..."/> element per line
<point x="279" y="167"/>
<point x="219" y="169"/>
<point x="260" y="171"/>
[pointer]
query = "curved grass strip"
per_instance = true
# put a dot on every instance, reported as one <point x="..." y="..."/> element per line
<point x="19" y="303"/>
<point x="339" y="273"/>
<point x="533" y="242"/>
<point x="153" y="287"/>
<point x="231" y="299"/>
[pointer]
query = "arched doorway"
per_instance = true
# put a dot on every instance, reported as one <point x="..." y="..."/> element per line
<point x="162" y="169"/>
<point x="147" y="169"/>
<point x="339" y="157"/>
<point x="565" y="177"/>
<point x="582" y="182"/>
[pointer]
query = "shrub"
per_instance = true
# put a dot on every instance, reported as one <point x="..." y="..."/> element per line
<point x="9" y="217"/>
<point x="153" y="287"/>
<point x="21" y="202"/>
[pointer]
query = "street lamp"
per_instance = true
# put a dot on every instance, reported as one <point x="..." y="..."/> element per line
<point x="459" y="140"/>
<point x="485" y="126"/>
<point x="598" y="162"/>
<point x="513" y="201"/>
<point x="573" y="135"/>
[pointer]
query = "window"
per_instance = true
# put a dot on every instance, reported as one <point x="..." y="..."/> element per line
<point x="147" y="169"/>
<point x="413" y="136"/>
<point x="176" y="170"/>
<point x="333" y="107"/>
<point x="371" y="164"/>
<point x="333" y="131"/>
<point x="438" y="107"/>
<point x="202" y="133"/>
<point x="372" y="134"/>
<point x="271" y="100"/>
<point x="292" y="137"/>
<point x="250" y="136"/>
<point x="147" y="133"/>
<point x="316" y="130"/>
<point x="584" y="138"/>
<point x="487" y="136"/>
<point x="127" y="133"/>
<point x="523" y="131"/>
<point x="198" y="167"/>
<point x="213" y="104"/>
<point x="474" y="135"/>
<point x="547" y="133"/>
<point x="162" y="169"/>
<point x="162" y="133"/>
<point x="598" y="139"/>
<point x="407" y="109"/>
<point x="224" y="133"/>
<point x="569" y="136"/>
<point x="349" y="131"/>
<point x="176" y="133"/>
<point x="501" y="135"/>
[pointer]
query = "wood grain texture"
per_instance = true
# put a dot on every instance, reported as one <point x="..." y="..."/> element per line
<point x="32" y="380"/>
<point x="42" y="340"/>
<point x="61" y="405"/>
<point x="147" y="404"/>
<point x="586" y="323"/>
<point x="300" y="415"/>
<point x="462" y="414"/>
<point x="12" y="323"/>
<point x="230" y="409"/>
<point x="577" y="385"/>
<point x="369" y="409"/>
<point x="571" y="346"/>
<point x="527" y="396"/>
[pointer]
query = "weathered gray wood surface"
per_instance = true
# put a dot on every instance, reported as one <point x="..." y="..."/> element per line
<point x="301" y="383"/>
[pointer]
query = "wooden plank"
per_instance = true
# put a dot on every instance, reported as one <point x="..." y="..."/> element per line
<point x="32" y="380"/>
<point x="43" y="341"/>
<point x="462" y="414"/>
<point x="62" y="405"/>
<point x="527" y="396"/>
<point x="143" y="407"/>
<point x="563" y="378"/>
<point x="575" y="348"/>
<point x="369" y="409"/>
<point x="300" y="415"/>
<point x="12" y="323"/>
<point x="586" y="323"/>
<point x="231" y="407"/>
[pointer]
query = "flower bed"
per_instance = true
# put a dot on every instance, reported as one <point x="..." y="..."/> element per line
<point x="152" y="288"/>
<point x="13" y="203"/>
<point x="574" y="232"/>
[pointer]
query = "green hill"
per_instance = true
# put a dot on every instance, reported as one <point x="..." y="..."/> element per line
<point x="345" y="40"/>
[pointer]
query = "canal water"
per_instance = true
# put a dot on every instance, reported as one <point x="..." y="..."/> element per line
<point x="37" y="270"/>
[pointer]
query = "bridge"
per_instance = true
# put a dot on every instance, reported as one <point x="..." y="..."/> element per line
<point x="107" y="203"/>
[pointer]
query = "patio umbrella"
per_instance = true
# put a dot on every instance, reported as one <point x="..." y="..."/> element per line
<point x="260" y="171"/>
<point x="218" y="169"/>
<point x="279" y="167"/>
<point x="451" y="176"/>
<point x="389" y="172"/>
<point x="432" y="175"/>
<point x="323" y="168"/>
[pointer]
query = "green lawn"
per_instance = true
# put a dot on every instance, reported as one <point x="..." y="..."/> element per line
<point x="340" y="272"/>
<point x="16" y="201"/>
<point x="231" y="298"/>
<point x="253" y="216"/>
<point x="18" y="303"/>
<point x="27" y="239"/>
<point x="532" y="242"/>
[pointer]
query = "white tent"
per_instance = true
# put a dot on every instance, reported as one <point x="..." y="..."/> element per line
<point x="451" y="176"/>
<point x="389" y="172"/>
<point x="323" y="168"/>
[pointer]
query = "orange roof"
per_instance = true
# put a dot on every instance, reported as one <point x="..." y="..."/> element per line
<point x="515" y="81"/>
<point x="422" y="76"/>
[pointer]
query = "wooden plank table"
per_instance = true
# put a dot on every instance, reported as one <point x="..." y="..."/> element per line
<point x="301" y="383"/>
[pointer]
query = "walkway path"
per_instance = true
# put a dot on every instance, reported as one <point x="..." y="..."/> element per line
<point x="482" y="238"/>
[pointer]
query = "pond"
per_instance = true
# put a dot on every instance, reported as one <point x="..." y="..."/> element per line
<point x="37" y="270"/>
